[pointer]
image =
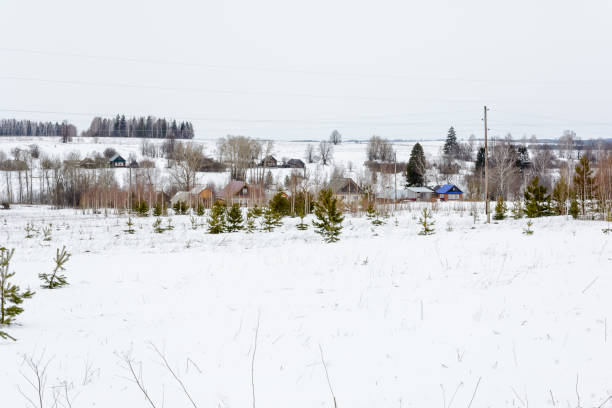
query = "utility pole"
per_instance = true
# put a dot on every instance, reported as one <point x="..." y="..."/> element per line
<point x="487" y="209"/>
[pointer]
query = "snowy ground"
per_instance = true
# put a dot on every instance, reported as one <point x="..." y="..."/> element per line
<point x="480" y="312"/>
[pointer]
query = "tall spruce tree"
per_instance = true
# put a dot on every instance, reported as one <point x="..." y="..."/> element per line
<point x="329" y="224"/>
<point x="537" y="202"/>
<point x="415" y="170"/>
<point x="11" y="295"/>
<point x="216" y="219"/>
<point x="451" y="147"/>
<point x="584" y="183"/>
<point x="234" y="218"/>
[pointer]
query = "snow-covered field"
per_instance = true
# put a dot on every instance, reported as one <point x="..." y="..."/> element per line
<point x="475" y="315"/>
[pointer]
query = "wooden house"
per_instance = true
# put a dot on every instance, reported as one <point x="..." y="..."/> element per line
<point x="116" y="161"/>
<point x="346" y="189"/>
<point x="240" y="192"/>
<point x="449" y="192"/>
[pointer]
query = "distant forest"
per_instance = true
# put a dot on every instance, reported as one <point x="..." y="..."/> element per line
<point x="13" y="127"/>
<point x="148" y="127"/>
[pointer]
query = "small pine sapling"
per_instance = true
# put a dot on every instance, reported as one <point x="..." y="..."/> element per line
<point x="47" y="233"/>
<point x="329" y="217"/>
<point x="55" y="279"/>
<point x="130" y="225"/>
<point x="234" y="218"/>
<point x="157" y="226"/>
<point x="169" y="227"/>
<point x="527" y="230"/>
<point x="11" y="296"/>
<point x="500" y="209"/>
<point x="370" y="212"/>
<point x="216" y="218"/>
<point x="200" y="210"/>
<point x="517" y="210"/>
<point x="142" y="209"/>
<point x="250" y="220"/>
<point x="157" y="210"/>
<point x="574" y="209"/>
<point x="194" y="222"/>
<point x="30" y="230"/>
<point x="426" y="222"/>
<point x="271" y="219"/>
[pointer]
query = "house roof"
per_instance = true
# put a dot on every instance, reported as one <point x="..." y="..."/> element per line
<point x="448" y="189"/>
<point x="181" y="196"/>
<point x="117" y="157"/>
<point x="344" y="185"/>
<point x="420" y="189"/>
<point x="232" y="188"/>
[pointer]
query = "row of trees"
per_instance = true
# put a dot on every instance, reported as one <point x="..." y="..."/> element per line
<point x="149" y="127"/>
<point x="13" y="127"/>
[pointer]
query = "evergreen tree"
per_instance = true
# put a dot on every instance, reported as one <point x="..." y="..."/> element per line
<point x="216" y="219"/>
<point x="271" y="220"/>
<point x="560" y="196"/>
<point x="200" y="210"/>
<point x="157" y="210"/>
<point x="329" y="224"/>
<point x="157" y="226"/>
<point x="427" y="223"/>
<point x="584" y="183"/>
<point x="480" y="159"/>
<point x="142" y="208"/>
<point x="451" y="147"/>
<point x="574" y="209"/>
<point x="517" y="210"/>
<point x="373" y="215"/>
<point x="180" y="207"/>
<point x="54" y="279"/>
<point x="252" y="214"/>
<point x="500" y="209"/>
<point x="11" y="296"/>
<point x="280" y="204"/>
<point x="537" y="202"/>
<point x="234" y="218"/>
<point x="130" y="225"/>
<point x="415" y="170"/>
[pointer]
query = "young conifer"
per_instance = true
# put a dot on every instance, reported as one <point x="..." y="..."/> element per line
<point x="500" y="209"/>
<point x="55" y="279"/>
<point x="329" y="224"/>
<point x="234" y="218"/>
<point x="11" y="295"/>
<point x="130" y="225"/>
<point x="427" y="223"/>
<point x="216" y="219"/>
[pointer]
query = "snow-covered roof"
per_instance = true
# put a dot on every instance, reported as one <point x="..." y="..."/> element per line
<point x="420" y="189"/>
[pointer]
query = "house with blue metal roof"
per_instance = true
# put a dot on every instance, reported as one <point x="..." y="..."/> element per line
<point x="449" y="192"/>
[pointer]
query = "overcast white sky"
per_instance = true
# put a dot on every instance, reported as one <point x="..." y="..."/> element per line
<point x="298" y="69"/>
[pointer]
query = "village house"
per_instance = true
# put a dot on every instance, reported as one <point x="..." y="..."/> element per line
<point x="184" y="196"/>
<point x="269" y="161"/>
<point x="204" y="195"/>
<point x="116" y="161"/>
<point x="346" y="189"/>
<point x="240" y="192"/>
<point x="449" y="192"/>
<point x="295" y="164"/>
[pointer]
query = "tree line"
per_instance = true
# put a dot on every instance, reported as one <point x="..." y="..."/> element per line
<point x="14" y="127"/>
<point x="149" y="127"/>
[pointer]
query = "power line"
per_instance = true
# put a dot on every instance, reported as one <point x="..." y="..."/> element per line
<point x="157" y="61"/>
<point x="230" y="92"/>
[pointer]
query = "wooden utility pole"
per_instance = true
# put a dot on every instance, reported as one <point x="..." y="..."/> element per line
<point x="395" y="181"/>
<point x="486" y="152"/>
